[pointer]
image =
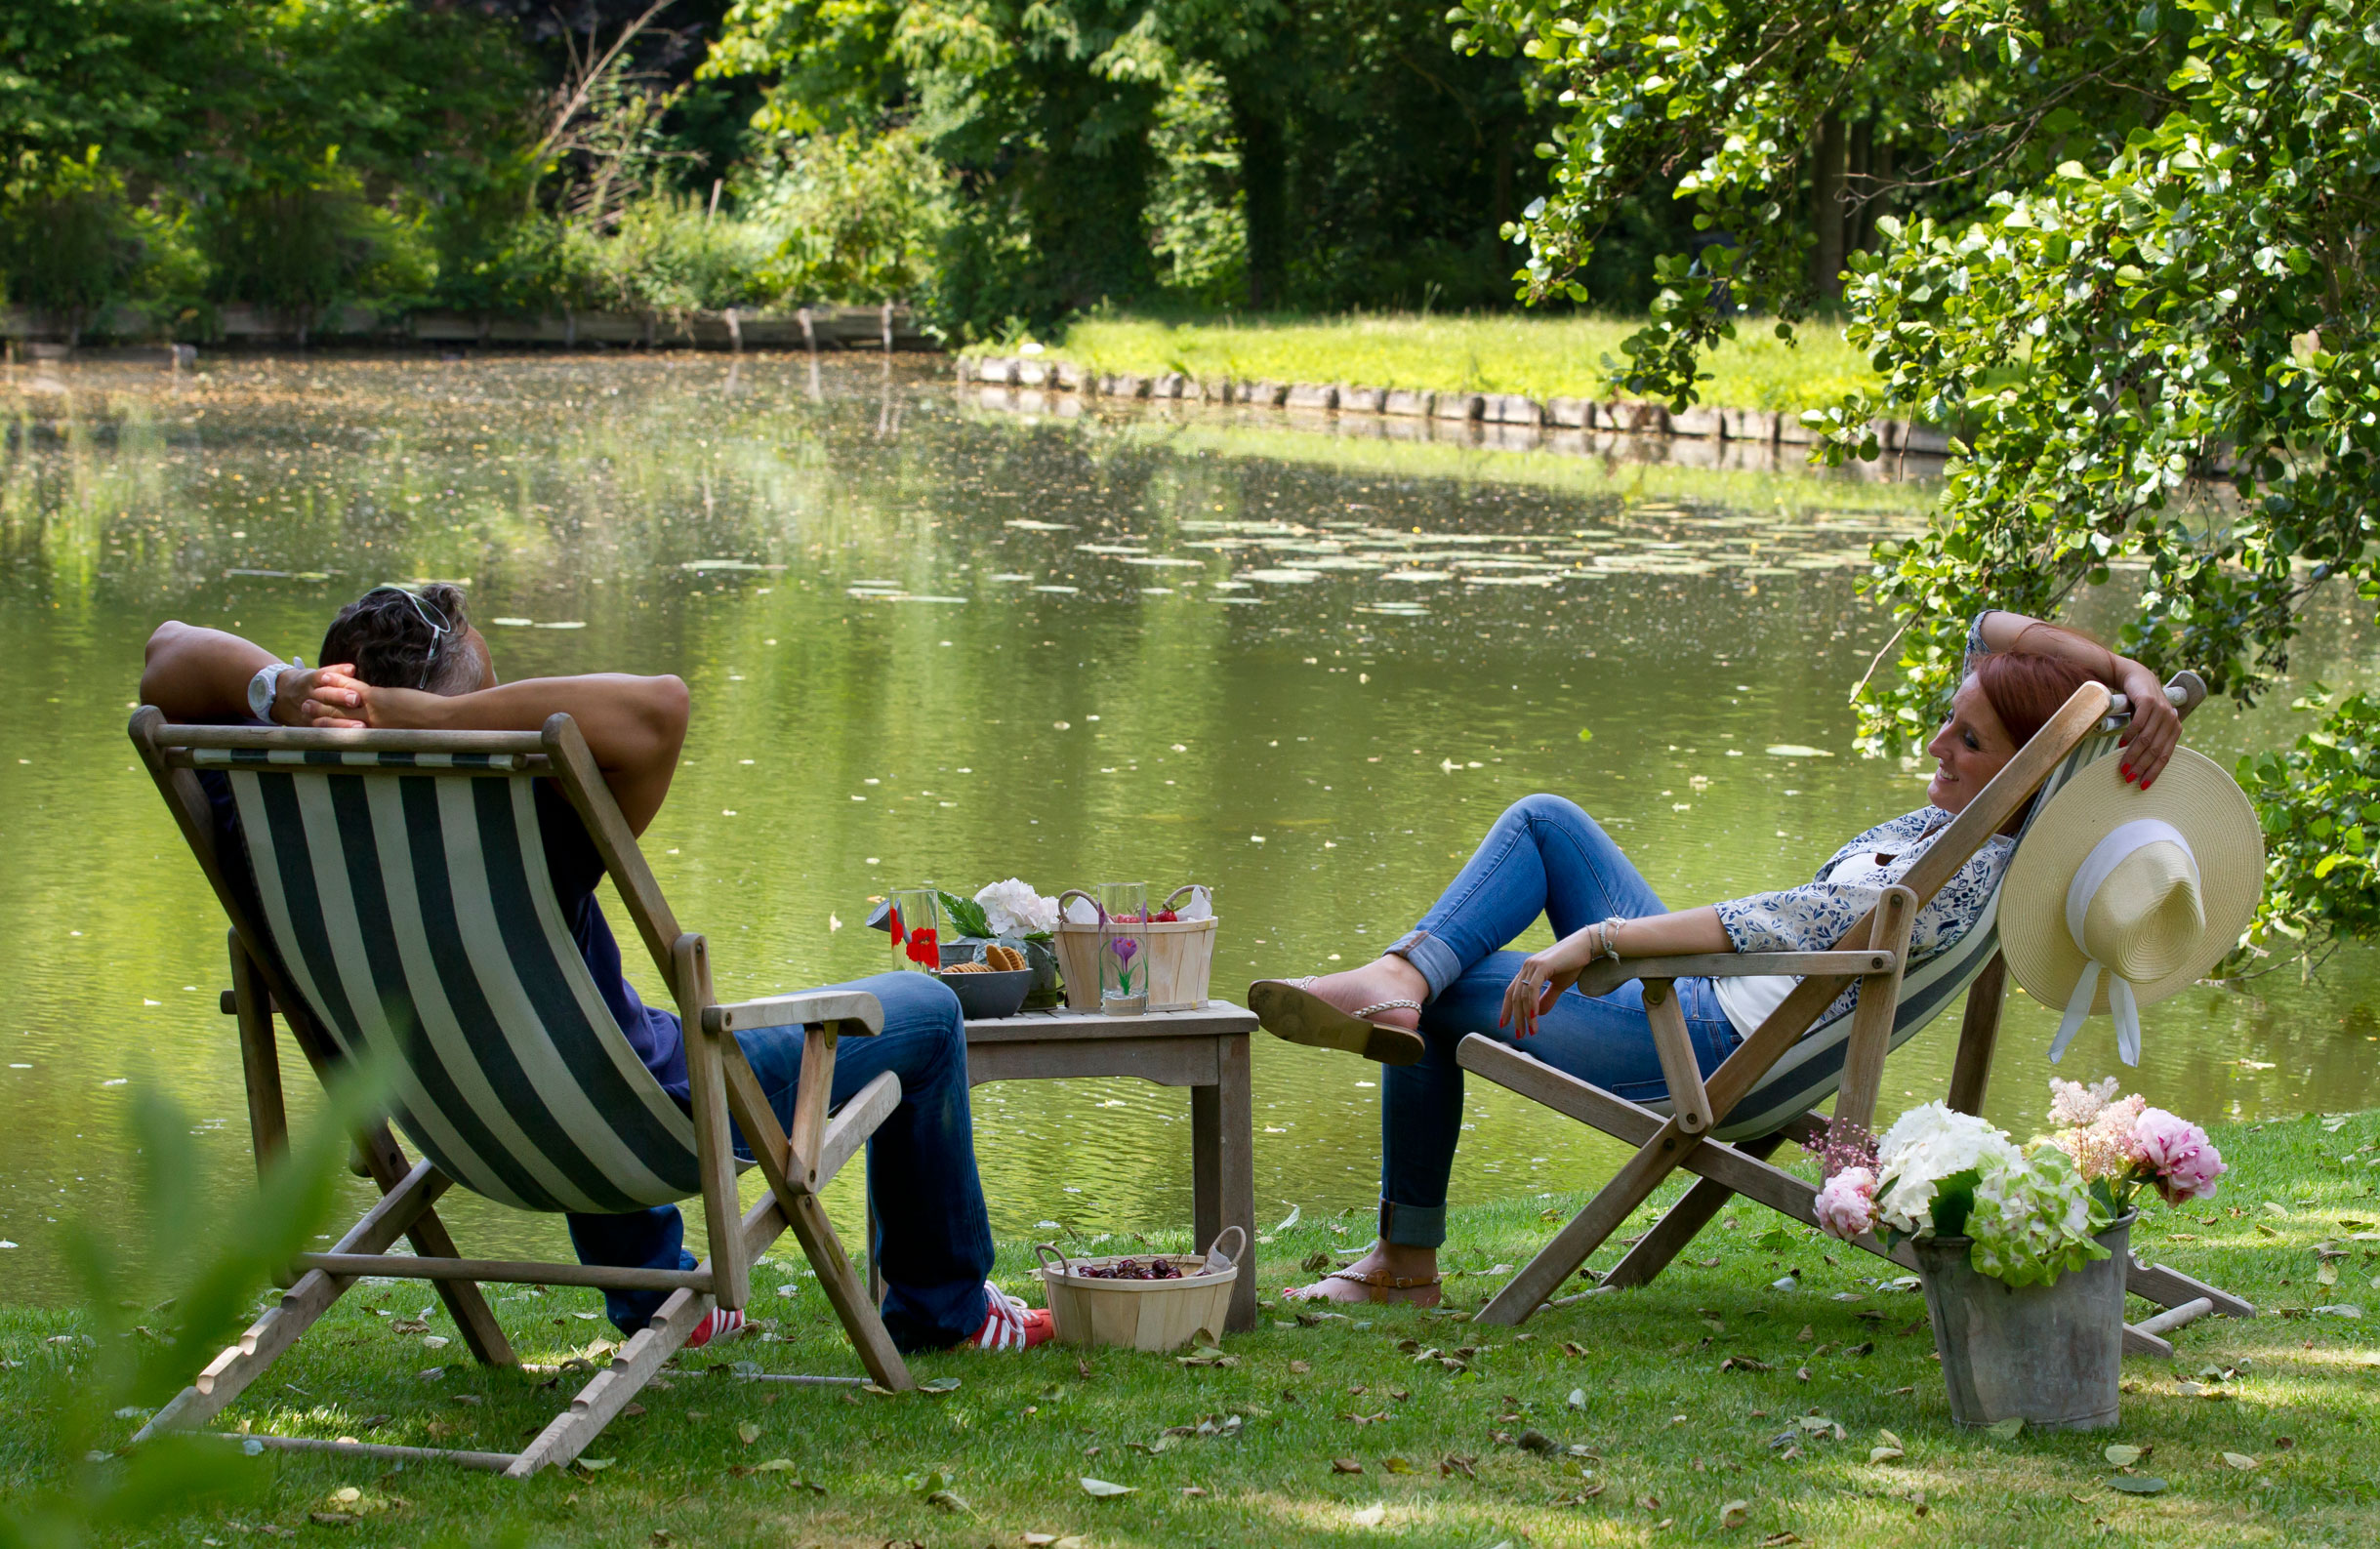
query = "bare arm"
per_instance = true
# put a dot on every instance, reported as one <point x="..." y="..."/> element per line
<point x="1546" y="974"/>
<point x="2156" y="728"/>
<point x="201" y="674"/>
<point x="634" y="726"/>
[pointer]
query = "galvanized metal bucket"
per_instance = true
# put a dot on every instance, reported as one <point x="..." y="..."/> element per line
<point x="2049" y="1355"/>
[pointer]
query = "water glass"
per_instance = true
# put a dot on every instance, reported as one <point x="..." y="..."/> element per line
<point x="1123" y="948"/>
<point x="916" y="926"/>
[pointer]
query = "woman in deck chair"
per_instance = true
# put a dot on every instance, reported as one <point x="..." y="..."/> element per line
<point x="411" y="660"/>
<point x="1448" y="978"/>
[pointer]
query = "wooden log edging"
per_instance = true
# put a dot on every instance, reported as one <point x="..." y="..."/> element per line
<point x="1634" y="417"/>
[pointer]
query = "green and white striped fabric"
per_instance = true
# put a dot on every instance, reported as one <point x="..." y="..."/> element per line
<point x="415" y="915"/>
<point x="1811" y="1069"/>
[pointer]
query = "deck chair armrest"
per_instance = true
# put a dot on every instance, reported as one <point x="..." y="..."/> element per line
<point x="853" y="1013"/>
<point x="1606" y="975"/>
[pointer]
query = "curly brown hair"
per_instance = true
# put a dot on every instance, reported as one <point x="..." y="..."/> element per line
<point x="405" y="639"/>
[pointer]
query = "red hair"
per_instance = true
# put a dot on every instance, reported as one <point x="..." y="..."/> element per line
<point x="2025" y="688"/>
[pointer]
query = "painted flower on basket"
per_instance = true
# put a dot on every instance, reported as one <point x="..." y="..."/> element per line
<point x="1013" y="909"/>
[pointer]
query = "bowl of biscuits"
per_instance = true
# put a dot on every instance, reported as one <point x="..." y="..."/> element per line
<point x="991" y="979"/>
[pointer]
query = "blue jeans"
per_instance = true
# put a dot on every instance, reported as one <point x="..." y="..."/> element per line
<point x="933" y="1237"/>
<point x="1543" y="856"/>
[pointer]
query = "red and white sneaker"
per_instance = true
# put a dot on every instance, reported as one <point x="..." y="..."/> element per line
<point x="1009" y="1324"/>
<point x="722" y="1324"/>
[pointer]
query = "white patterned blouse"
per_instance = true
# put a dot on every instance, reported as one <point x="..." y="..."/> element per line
<point x="1813" y="917"/>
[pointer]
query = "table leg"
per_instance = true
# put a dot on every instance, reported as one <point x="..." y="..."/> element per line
<point x="1223" y="1169"/>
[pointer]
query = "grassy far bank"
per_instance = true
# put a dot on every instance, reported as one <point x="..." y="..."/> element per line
<point x="1542" y="357"/>
<point x="1335" y="1431"/>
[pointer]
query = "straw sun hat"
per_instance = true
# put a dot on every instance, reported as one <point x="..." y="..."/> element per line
<point x="2119" y="897"/>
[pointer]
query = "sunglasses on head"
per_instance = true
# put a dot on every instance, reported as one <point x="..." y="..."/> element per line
<point x="429" y="613"/>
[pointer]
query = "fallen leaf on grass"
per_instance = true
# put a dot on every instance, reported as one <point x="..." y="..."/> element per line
<point x="1454" y="1463"/>
<point x="1735" y="1514"/>
<point x="1370" y="1517"/>
<point x="1345" y="1465"/>
<point x="940" y="1385"/>
<point x="1102" y="1489"/>
<point x="1395" y="1466"/>
<point x="2240" y="1460"/>
<point x="1051" y="1540"/>
<point x="1649" y="1502"/>
<point x="2123" y="1456"/>
<point x="1301" y="1367"/>
<point x="1578" y="1397"/>
<point x="950" y="1500"/>
<point x="2138" y="1484"/>
<point x="1888" y="1447"/>
<point x="2008" y="1430"/>
<point x="748" y="1433"/>
<point x="1778" y="1540"/>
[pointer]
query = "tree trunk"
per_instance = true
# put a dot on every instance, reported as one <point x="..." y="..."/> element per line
<point x="1826" y="207"/>
<point x="1264" y="195"/>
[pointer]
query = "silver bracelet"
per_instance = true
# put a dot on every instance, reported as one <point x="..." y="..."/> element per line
<point x="1611" y="937"/>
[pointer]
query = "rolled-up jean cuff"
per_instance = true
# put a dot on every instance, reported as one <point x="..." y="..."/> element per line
<point x="1411" y="1225"/>
<point x="1433" y="958"/>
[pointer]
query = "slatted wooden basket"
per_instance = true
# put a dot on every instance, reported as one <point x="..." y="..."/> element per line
<point x="1142" y="1313"/>
<point x="1181" y="957"/>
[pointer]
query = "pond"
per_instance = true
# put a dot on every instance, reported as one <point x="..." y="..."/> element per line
<point x="928" y="639"/>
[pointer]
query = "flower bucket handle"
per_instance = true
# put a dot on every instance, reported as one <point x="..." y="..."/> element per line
<point x="1077" y="892"/>
<point x="1216" y="1259"/>
<point x="1046" y="1252"/>
<point x="1176" y="893"/>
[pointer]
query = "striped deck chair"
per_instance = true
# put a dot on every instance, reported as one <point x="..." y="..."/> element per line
<point x="401" y="917"/>
<point x="1723" y="1130"/>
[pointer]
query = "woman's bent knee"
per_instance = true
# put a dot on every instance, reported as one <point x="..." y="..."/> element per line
<point x="1544" y="807"/>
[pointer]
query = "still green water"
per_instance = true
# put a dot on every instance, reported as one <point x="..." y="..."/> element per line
<point x="929" y="638"/>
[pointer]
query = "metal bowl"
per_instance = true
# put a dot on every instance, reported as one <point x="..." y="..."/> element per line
<point x="983" y="996"/>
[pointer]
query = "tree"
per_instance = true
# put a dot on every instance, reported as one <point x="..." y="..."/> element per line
<point x="2133" y="265"/>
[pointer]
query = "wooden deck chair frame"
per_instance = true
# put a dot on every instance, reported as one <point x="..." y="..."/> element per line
<point x="1873" y="952"/>
<point x="796" y="1165"/>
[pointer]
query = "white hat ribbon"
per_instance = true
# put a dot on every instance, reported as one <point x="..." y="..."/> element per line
<point x="2120" y="843"/>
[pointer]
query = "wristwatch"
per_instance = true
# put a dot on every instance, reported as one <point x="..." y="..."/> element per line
<point x="262" y="686"/>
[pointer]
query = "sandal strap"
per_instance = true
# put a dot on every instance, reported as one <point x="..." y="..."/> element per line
<point x="1379" y="1281"/>
<point x="1387" y="1005"/>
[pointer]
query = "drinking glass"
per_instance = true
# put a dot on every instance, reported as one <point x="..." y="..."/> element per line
<point x="1123" y="948"/>
<point x="916" y="926"/>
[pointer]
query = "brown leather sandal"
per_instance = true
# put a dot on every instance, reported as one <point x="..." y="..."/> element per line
<point x="1373" y="1283"/>
<point x="1288" y="1009"/>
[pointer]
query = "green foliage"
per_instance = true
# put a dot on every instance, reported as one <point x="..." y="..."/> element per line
<point x="69" y="241"/>
<point x="151" y="1319"/>
<point x="856" y="218"/>
<point x="303" y="246"/>
<point x="2136" y="273"/>
<point x="2320" y="803"/>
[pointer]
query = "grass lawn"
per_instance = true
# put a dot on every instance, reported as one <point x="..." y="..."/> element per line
<point x="1543" y="357"/>
<point x="1343" y="1431"/>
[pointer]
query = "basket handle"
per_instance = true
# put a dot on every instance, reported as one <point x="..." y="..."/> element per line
<point x="1176" y="893"/>
<point x="1214" y="1249"/>
<point x="1045" y="1251"/>
<point x="1077" y="892"/>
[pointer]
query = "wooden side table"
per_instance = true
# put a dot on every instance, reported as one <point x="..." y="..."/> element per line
<point x="1205" y="1050"/>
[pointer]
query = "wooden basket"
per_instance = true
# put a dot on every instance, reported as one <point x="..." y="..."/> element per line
<point x="1181" y="957"/>
<point x="1142" y="1314"/>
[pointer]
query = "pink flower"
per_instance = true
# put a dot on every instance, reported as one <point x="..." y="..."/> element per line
<point x="2075" y="1104"/>
<point x="1847" y="1205"/>
<point x="2184" y="1163"/>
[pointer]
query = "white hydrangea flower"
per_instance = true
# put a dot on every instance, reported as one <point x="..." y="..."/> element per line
<point x="1013" y="909"/>
<point x="1924" y="1146"/>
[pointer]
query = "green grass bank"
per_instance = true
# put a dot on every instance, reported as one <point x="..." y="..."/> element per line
<point x="1671" y="1413"/>
<point x="1540" y="357"/>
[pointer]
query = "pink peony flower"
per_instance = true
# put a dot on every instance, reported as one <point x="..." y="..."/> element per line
<point x="2184" y="1163"/>
<point x="1847" y="1205"/>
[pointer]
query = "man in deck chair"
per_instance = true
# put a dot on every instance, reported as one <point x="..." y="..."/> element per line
<point x="1448" y="978"/>
<point x="411" y="660"/>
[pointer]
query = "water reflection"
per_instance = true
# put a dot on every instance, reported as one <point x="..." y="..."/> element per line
<point x="930" y="641"/>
